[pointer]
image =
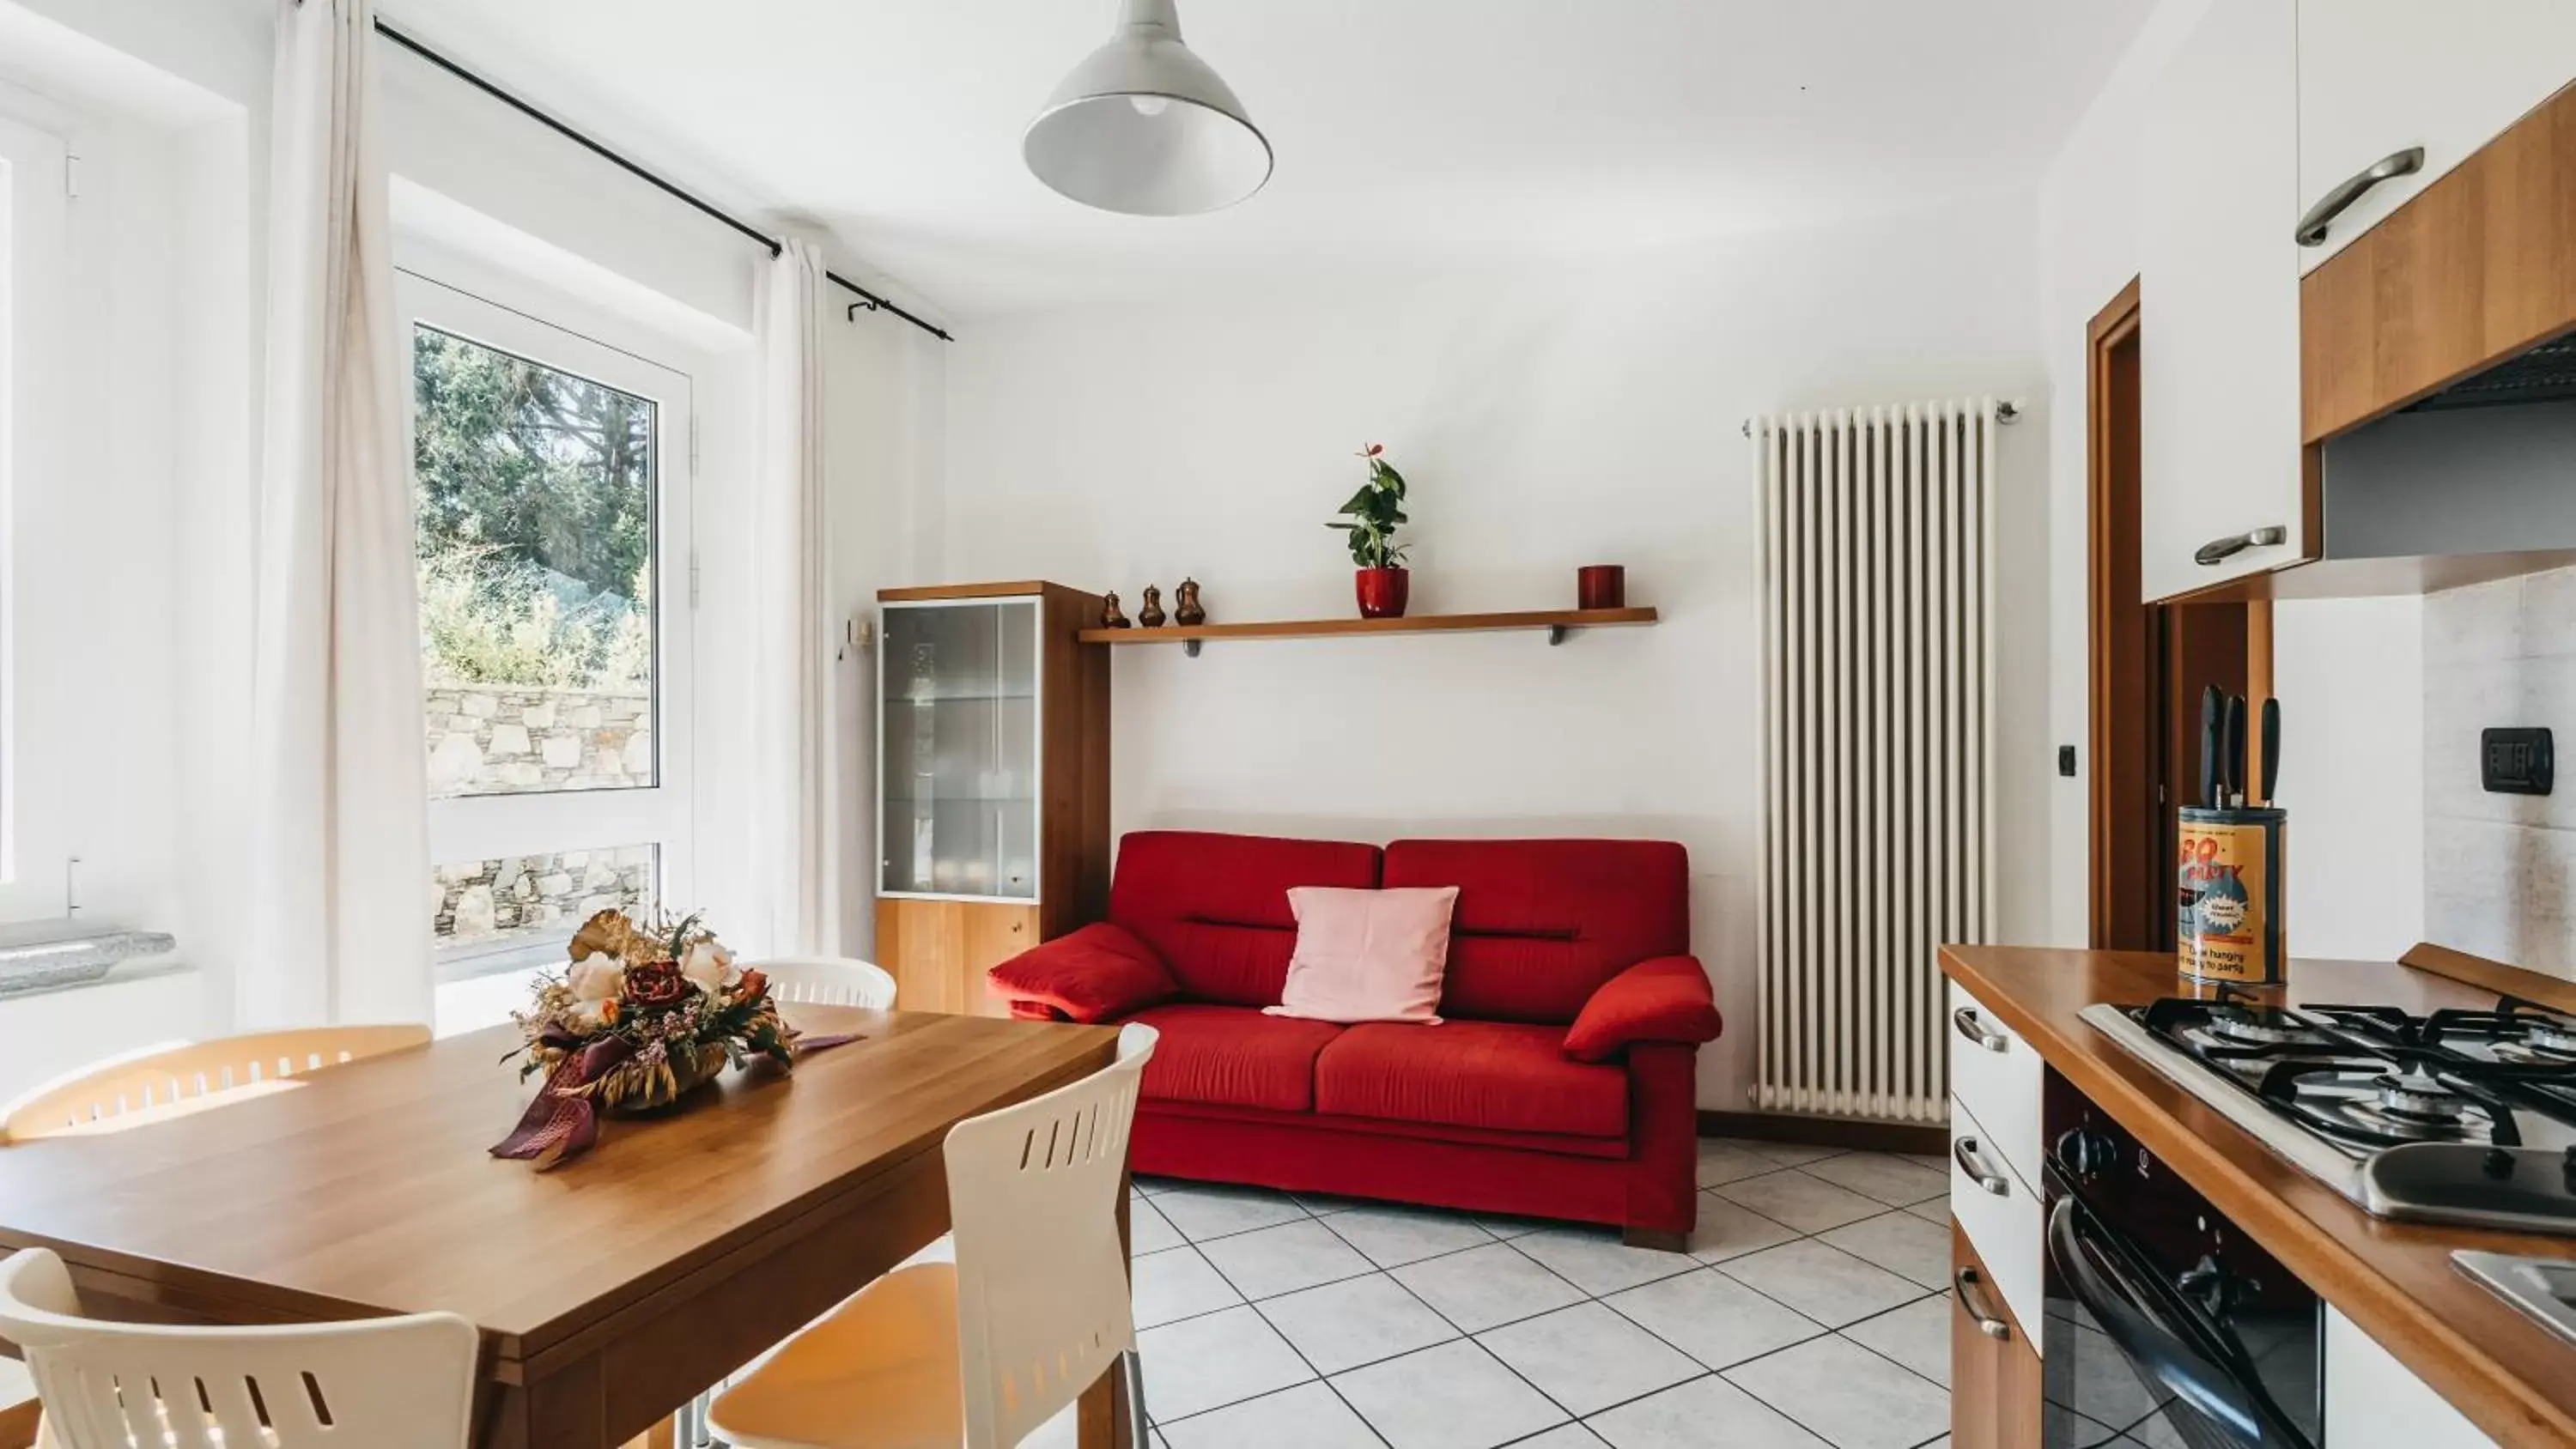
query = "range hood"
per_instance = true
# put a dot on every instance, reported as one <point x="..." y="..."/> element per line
<point x="2472" y="483"/>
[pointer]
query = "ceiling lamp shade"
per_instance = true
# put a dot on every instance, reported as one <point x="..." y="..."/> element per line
<point x="1142" y="126"/>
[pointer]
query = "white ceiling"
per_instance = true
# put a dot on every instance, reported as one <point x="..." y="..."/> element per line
<point x="1408" y="132"/>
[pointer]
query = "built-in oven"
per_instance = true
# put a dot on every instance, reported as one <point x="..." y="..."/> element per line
<point x="2163" y="1324"/>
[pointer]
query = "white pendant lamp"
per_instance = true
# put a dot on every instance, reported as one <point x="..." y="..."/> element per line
<point x="1143" y="126"/>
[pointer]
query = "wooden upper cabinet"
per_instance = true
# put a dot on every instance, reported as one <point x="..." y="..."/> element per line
<point x="2381" y="78"/>
<point x="2479" y="266"/>
<point x="2219" y="304"/>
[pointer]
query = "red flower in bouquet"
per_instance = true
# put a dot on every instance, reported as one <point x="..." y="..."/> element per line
<point x="753" y="985"/>
<point x="656" y="986"/>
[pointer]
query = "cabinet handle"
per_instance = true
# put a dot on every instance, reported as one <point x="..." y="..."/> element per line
<point x="1965" y="1019"/>
<point x="2320" y="217"/>
<point x="1966" y="1281"/>
<point x="2220" y="550"/>
<point x="1964" y="1151"/>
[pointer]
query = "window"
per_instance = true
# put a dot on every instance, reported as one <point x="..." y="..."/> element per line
<point x="551" y="497"/>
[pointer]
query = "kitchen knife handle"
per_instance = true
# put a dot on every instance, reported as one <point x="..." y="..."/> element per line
<point x="2231" y="755"/>
<point x="2209" y="710"/>
<point x="2271" y="749"/>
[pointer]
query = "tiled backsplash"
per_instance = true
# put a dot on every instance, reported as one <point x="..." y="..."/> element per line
<point x="2499" y="870"/>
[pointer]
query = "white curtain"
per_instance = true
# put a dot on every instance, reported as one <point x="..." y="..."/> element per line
<point x="797" y="705"/>
<point x="338" y="916"/>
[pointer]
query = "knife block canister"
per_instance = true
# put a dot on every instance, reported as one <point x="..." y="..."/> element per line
<point x="2229" y="885"/>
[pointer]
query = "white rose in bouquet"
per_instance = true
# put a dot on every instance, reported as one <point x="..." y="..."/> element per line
<point x="707" y="964"/>
<point x="601" y="978"/>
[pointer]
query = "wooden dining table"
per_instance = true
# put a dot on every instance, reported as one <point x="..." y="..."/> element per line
<point x="609" y="1291"/>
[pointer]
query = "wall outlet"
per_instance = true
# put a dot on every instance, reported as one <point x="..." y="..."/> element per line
<point x="2516" y="761"/>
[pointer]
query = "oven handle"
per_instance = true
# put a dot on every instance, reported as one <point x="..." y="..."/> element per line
<point x="2189" y="1374"/>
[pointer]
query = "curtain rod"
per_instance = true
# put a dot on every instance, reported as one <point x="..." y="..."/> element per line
<point x="868" y="300"/>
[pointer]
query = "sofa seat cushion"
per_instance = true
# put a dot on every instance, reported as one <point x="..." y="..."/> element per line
<point x="1504" y="1076"/>
<point x="1234" y="1056"/>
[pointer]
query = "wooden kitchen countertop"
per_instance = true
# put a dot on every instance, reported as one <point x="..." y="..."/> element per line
<point x="2510" y="1376"/>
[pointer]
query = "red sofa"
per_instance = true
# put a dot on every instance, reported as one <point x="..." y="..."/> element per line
<point x="1560" y="1084"/>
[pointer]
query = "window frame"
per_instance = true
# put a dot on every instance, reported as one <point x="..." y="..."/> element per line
<point x="485" y="827"/>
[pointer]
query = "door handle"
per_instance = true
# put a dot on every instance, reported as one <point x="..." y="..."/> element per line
<point x="1991" y="1325"/>
<point x="1965" y="1019"/>
<point x="2320" y="218"/>
<point x="2220" y="550"/>
<point x="1964" y="1151"/>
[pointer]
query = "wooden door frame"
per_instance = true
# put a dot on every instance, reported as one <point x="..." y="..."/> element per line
<point x="2193" y="644"/>
<point x="2111" y="328"/>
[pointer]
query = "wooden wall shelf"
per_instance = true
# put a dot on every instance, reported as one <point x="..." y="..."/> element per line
<point x="1557" y="622"/>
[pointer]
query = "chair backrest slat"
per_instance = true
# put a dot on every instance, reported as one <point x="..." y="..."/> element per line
<point x="1042" y="1297"/>
<point x="166" y="1076"/>
<point x="386" y="1383"/>
<point x="827" y="981"/>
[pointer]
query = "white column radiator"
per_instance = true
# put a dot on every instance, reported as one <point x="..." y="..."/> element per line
<point x="1877" y="760"/>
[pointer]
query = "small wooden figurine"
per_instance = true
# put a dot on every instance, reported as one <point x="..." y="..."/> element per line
<point x="1110" y="617"/>
<point x="1185" y="604"/>
<point x="1151" y="616"/>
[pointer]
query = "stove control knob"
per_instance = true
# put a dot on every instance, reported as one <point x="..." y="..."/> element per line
<point x="2085" y="1152"/>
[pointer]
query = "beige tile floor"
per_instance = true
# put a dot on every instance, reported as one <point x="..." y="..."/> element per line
<point x="1809" y="1313"/>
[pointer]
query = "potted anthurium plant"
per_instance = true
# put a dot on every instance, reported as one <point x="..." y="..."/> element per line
<point x="1371" y="519"/>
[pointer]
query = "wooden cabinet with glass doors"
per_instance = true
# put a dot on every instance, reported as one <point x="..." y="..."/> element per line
<point x="992" y="782"/>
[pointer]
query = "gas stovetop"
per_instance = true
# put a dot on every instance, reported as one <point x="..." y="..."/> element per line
<point x="2460" y="1116"/>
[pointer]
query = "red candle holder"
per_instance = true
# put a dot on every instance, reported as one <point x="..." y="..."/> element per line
<point x="1601" y="586"/>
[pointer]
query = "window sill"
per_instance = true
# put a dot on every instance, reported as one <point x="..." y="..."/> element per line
<point x="123" y="973"/>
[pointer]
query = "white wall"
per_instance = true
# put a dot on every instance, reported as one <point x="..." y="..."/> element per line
<point x="2348" y="671"/>
<point x="1545" y="420"/>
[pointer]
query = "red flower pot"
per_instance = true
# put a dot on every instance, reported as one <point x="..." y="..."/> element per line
<point x="1382" y="592"/>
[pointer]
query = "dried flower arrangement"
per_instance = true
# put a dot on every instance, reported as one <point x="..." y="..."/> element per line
<point x="643" y="1015"/>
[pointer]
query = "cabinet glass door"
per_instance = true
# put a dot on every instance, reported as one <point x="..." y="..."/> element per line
<point x="958" y="750"/>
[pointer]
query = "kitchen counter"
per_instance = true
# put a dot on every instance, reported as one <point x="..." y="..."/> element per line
<point x="2511" y="1378"/>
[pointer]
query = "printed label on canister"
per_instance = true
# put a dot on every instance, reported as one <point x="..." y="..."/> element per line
<point x="2222" y="890"/>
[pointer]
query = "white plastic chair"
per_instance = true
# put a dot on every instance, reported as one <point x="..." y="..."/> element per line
<point x="827" y="981"/>
<point x="386" y="1383"/>
<point x="161" y="1081"/>
<point x="982" y="1351"/>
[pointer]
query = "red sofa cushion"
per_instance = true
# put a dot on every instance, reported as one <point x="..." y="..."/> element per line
<point x="1215" y="907"/>
<point x="1098" y="973"/>
<point x="1665" y="999"/>
<point x="1234" y="1056"/>
<point x="1492" y="1074"/>
<point x="1541" y="924"/>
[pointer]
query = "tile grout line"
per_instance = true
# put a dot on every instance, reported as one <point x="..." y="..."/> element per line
<point x="1255" y="1305"/>
<point x="1584" y="1296"/>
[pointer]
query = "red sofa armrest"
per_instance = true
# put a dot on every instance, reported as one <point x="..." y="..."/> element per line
<point x="1098" y="973"/>
<point x="1665" y="998"/>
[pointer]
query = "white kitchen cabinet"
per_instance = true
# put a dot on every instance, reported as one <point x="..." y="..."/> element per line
<point x="2379" y="77"/>
<point x="1998" y="1077"/>
<point x="1998" y="1211"/>
<point x="2219" y="303"/>
<point x="2374" y="1402"/>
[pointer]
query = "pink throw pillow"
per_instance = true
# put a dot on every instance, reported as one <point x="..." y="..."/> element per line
<point x="1368" y="955"/>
